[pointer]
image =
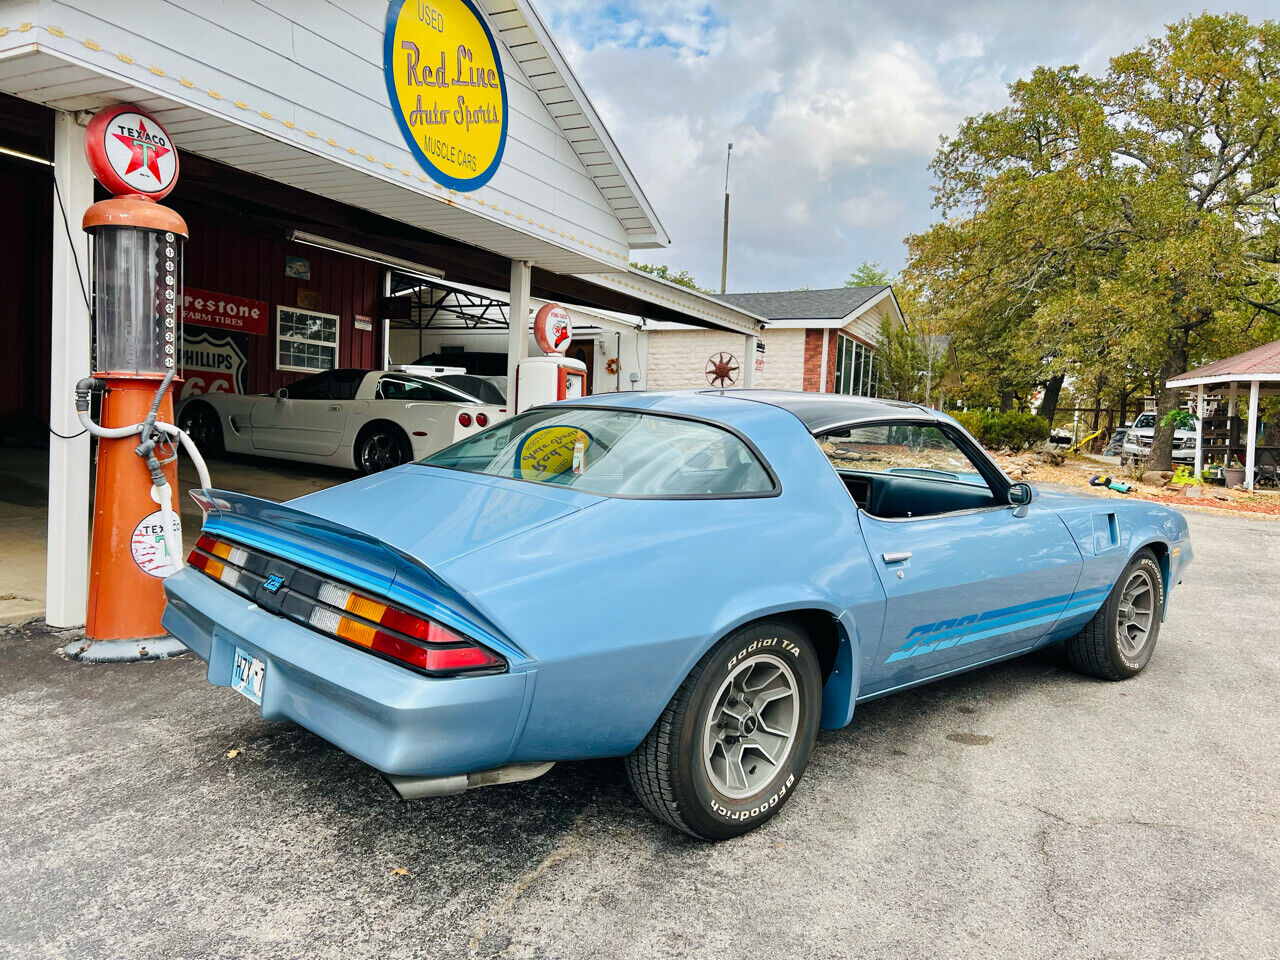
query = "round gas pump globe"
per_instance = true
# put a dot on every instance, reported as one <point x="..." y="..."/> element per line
<point x="552" y="328"/>
<point x="130" y="152"/>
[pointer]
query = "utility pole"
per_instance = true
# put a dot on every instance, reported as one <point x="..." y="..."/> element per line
<point x="724" y="246"/>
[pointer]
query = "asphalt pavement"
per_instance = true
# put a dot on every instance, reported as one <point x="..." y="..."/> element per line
<point x="1017" y="811"/>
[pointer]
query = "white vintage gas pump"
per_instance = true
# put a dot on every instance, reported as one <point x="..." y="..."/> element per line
<point x="552" y="377"/>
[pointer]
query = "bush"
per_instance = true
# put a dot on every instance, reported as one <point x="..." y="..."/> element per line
<point x="1012" y="430"/>
<point x="971" y="420"/>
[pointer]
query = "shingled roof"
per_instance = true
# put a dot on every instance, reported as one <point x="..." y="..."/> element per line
<point x="1260" y="363"/>
<point x="804" y="304"/>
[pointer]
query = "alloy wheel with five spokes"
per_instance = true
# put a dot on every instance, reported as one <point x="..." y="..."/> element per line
<point x="1135" y="613"/>
<point x="751" y="726"/>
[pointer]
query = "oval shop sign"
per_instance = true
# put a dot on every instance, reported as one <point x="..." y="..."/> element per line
<point x="448" y="94"/>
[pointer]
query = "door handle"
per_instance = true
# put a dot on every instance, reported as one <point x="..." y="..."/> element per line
<point x="898" y="557"/>
<point x="335" y="407"/>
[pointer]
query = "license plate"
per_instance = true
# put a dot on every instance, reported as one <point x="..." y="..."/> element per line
<point x="247" y="674"/>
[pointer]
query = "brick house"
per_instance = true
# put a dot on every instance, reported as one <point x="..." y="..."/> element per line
<point x="816" y="340"/>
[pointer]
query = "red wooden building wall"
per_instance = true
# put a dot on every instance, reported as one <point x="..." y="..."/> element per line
<point x="223" y="257"/>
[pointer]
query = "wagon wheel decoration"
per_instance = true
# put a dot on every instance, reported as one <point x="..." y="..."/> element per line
<point x="722" y="370"/>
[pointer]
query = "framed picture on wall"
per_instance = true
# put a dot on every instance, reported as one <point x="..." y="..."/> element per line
<point x="306" y="341"/>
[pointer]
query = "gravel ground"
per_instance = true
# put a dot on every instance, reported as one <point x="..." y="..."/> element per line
<point x="1018" y="811"/>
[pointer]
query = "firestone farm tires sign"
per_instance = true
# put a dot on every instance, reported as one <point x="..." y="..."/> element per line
<point x="448" y="94"/>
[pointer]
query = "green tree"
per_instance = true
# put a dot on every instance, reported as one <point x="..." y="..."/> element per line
<point x="907" y="366"/>
<point x="682" y="277"/>
<point x="869" y="274"/>
<point x="1123" y="222"/>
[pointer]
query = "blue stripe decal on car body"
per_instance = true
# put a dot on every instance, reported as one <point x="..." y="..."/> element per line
<point x="944" y="634"/>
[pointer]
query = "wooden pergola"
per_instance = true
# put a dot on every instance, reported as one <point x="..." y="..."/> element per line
<point x="1259" y="369"/>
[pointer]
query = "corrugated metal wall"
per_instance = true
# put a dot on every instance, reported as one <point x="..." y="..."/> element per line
<point x="225" y="258"/>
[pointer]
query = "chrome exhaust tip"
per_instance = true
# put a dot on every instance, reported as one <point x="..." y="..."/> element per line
<point x="415" y="788"/>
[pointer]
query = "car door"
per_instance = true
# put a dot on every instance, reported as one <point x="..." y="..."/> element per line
<point x="967" y="577"/>
<point x="308" y="419"/>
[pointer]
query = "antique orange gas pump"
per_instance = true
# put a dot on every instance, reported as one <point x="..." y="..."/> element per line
<point x="137" y="283"/>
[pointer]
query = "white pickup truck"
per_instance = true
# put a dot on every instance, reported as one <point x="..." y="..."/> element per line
<point x="1137" y="441"/>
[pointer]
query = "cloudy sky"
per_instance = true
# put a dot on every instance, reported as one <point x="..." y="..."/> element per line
<point x="834" y="108"/>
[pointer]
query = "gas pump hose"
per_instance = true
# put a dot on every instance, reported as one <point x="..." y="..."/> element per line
<point x="151" y="430"/>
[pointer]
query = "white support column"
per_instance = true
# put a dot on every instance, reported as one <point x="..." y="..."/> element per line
<point x="67" y="558"/>
<point x="1231" y="412"/>
<point x="1199" y="429"/>
<point x="517" y="325"/>
<point x="822" y="377"/>
<point x="749" y="364"/>
<point x="1251" y="442"/>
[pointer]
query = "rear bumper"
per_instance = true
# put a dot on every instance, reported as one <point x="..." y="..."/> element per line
<point x="1178" y="455"/>
<point x="391" y="718"/>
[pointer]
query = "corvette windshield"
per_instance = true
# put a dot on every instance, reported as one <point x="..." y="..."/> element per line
<point x="613" y="453"/>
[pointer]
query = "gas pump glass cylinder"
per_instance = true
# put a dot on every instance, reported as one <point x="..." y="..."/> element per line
<point x="138" y="291"/>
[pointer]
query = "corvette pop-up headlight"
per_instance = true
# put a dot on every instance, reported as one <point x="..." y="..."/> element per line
<point x="343" y="613"/>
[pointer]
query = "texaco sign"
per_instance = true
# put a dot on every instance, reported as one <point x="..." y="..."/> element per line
<point x="130" y="153"/>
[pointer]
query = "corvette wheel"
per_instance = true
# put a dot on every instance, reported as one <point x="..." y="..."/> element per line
<point x="380" y="449"/>
<point x="1118" y="642"/>
<point x="200" y="422"/>
<point x="732" y="744"/>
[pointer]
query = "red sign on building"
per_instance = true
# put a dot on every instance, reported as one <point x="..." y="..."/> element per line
<point x="207" y="309"/>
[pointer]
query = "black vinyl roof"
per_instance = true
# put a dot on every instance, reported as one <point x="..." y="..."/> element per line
<point x="822" y="411"/>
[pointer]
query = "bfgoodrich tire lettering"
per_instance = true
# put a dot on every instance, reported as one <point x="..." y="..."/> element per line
<point x="770" y="672"/>
<point x="1120" y="639"/>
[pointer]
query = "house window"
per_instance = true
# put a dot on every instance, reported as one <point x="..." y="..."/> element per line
<point x="305" y="340"/>
<point x="857" y="373"/>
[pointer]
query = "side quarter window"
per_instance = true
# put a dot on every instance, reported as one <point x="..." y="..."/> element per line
<point x="900" y="470"/>
<point x="314" y="387"/>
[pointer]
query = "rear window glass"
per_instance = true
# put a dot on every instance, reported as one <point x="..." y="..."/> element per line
<point x="613" y="453"/>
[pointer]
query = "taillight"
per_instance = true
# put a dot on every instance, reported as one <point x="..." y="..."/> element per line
<point x="343" y="613"/>
<point x="464" y="418"/>
<point x="411" y="639"/>
<point x="220" y="560"/>
<point x="482" y="419"/>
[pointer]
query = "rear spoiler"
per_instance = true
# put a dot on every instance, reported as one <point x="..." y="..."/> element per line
<point x="350" y="556"/>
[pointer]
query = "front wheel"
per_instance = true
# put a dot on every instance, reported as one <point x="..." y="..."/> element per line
<point x="731" y="746"/>
<point x="1118" y="642"/>
<point x="200" y="422"/>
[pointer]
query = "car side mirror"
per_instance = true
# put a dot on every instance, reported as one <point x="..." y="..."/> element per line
<point x="1020" y="494"/>
<point x="282" y="393"/>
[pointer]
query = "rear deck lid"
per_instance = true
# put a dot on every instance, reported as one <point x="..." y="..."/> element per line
<point x="437" y="515"/>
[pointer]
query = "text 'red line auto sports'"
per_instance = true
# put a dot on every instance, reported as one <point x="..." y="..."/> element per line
<point x="693" y="581"/>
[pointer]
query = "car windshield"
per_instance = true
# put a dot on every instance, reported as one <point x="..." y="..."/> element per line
<point x="613" y="453"/>
<point x="1145" y="420"/>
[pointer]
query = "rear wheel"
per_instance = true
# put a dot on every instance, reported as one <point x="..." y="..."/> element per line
<point x="732" y="744"/>
<point x="1118" y="642"/>
<point x="381" y="447"/>
<point x="200" y="422"/>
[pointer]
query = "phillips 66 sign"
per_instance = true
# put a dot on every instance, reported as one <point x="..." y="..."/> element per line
<point x="448" y="94"/>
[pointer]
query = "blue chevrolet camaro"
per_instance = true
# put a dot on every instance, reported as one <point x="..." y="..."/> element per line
<point x="695" y="581"/>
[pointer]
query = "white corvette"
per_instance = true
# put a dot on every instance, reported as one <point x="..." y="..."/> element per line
<point x="367" y="420"/>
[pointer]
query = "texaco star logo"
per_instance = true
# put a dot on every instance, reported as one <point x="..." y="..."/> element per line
<point x="146" y="150"/>
<point x="722" y="370"/>
<point x="130" y="152"/>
